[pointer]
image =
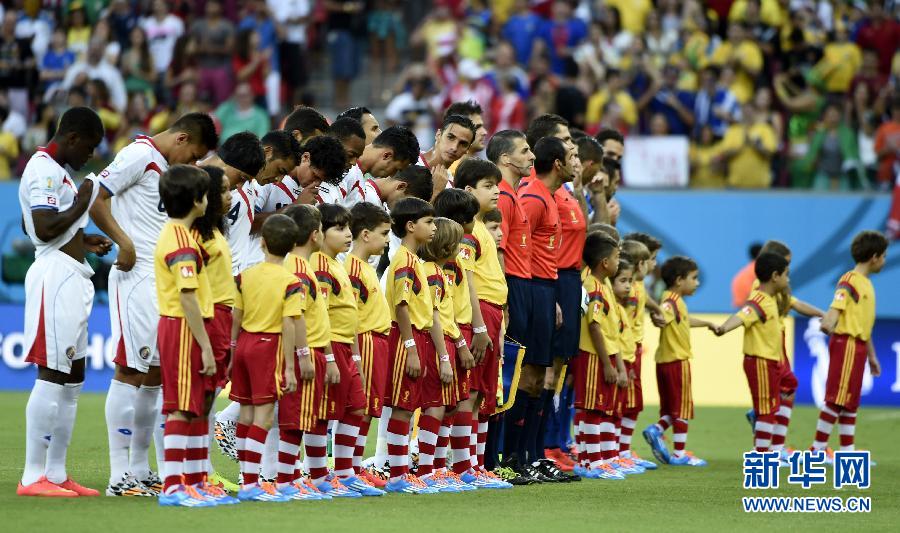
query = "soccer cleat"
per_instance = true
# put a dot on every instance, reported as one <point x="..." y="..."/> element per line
<point x="512" y="477"/>
<point x="373" y="476"/>
<point x="626" y="466"/>
<point x="408" y="484"/>
<point x="580" y="471"/>
<point x="129" y="486"/>
<point x="653" y="436"/>
<point x="549" y="469"/>
<point x="686" y="460"/>
<point x="46" y="489"/>
<point x="588" y="473"/>
<point x="359" y="485"/>
<point x="606" y="471"/>
<point x="223" y="483"/>
<point x="437" y="481"/>
<point x="71" y="484"/>
<point x="751" y="419"/>
<point x="186" y="496"/>
<point x="525" y="471"/>
<point x="562" y="459"/>
<point x="334" y="488"/>
<point x="226" y="438"/>
<point x="264" y="492"/>
<point x="455" y="478"/>
<point x="296" y="491"/>
<point x="488" y="480"/>
<point x="218" y="494"/>
<point x="638" y="460"/>
<point x="152" y="483"/>
<point x="306" y="483"/>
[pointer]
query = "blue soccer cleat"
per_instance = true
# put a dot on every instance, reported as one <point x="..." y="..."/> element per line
<point x="647" y="465"/>
<point x="653" y="436"/>
<point x="626" y="466"/>
<point x="751" y="418"/>
<point x="261" y="493"/>
<point x="361" y="487"/>
<point x="686" y="460"/>
<point x="296" y="491"/>
<point x="408" y="484"/>
<point x="185" y="497"/>
<point x="217" y="494"/>
<point x="334" y="488"/>
<point x="437" y="481"/>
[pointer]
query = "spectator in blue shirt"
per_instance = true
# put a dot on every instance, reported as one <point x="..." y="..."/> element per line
<point x="562" y="34"/>
<point x="57" y="59"/>
<point x="521" y="30"/>
<point x="664" y="97"/>
<point x="715" y="105"/>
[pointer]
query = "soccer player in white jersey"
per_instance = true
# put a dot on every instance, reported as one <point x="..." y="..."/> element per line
<point x="393" y="150"/>
<point x="323" y="160"/>
<point x="58" y="298"/>
<point x="451" y="142"/>
<point x="365" y="117"/>
<point x="352" y="137"/>
<point x="472" y="110"/>
<point x="129" y="210"/>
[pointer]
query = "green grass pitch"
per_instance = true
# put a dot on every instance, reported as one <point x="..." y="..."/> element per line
<point x="671" y="498"/>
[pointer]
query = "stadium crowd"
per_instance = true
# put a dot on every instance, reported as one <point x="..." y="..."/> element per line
<point x="805" y="88"/>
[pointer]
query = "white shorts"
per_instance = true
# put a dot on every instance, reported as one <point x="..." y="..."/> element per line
<point x="59" y="296"/>
<point x="134" y="318"/>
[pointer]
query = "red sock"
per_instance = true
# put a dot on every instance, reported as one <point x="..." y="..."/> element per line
<point x="481" y="441"/>
<point x="345" y="435"/>
<point x="608" y="448"/>
<point x="197" y="452"/>
<point x="175" y="439"/>
<point x="255" y="444"/>
<point x="429" y="427"/>
<point x="847" y="430"/>
<point x="762" y="432"/>
<point x="679" y="436"/>
<point x="289" y="441"/>
<point x="460" y="435"/>
<point x="443" y="442"/>
<point x="782" y="420"/>
<point x="315" y="445"/>
<point x="827" y="417"/>
<point x="398" y="447"/>
<point x="593" y="449"/>
<point x="364" y="427"/>
<point x="579" y="421"/>
<point x="473" y="442"/>
<point x="628" y="423"/>
<point x="664" y="422"/>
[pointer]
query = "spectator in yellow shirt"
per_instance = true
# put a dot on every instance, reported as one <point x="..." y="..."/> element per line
<point x="744" y="56"/>
<point x="633" y="13"/>
<point x="841" y="61"/>
<point x="613" y="92"/>
<point x="9" y="149"/>
<point x="747" y="149"/>
<point x="706" y="169"/>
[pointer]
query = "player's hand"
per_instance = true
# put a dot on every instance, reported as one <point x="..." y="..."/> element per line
<point x="332" y="374"/>
<point x="446" y="372"/>
<point x="632" y="375"/>
<point x="657" y="319"/>
<point x="481" y="342"/>
<point x="465" y="358"/>
<point x="308" y="195"/>
<point x="614" y="210"/>
<point x="307" y="368"/>
<point x="874" y="366"/>
<point x="97" y="244"/>
<point x="609" y="373"/>
<point x="290" y="382"/>
<point x="621" y="379"/>
<point x="559" y="317"/>
<point x="127" y="256"/>
<point x="440" y="176"/>
<point x="209" y="361"/>
<point x="413" y="368"/>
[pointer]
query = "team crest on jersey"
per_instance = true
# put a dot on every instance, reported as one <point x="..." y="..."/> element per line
<point x="144" y="352"/>
<point x="49" y="184"/>
<point x="51" y="200"/>
<point x="550" y="245"/>
<point x="839" y="296"/>
<point x="187" y="271"/>
<point x="70" y="352"/>
<point x="464" y="253"/>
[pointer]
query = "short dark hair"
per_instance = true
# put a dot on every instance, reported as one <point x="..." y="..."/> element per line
<point x="775" y="247"/>
<point x="244" y="152"/>
<point x="180" y="186"/>
<point x="445" y="244"/>
<point x="460" y="120"/>
<point x="676" y="267"/>
<point x="502" y="142"/>
<point x="200" y="128"/>
<point x="213" y="218"/>
<point x="652" y="243"/>
<point x="283" y="145"/>
<point x="589" y="149"/>
<point x="328" y="155"/>
<point x="354" y="113"/>
<point x="868" y="244"/>
<point x="577" y="134"/>
<point x="603" y="227"/>
<point x="548" y="151"/>
<point x="544" y="126"/>
<point x="401" y="140"/>
<point x="366" y="215"/>
<point x="636" y="250"/>
<point x="597" y="247"/>
<point x="82" y="121"/>
<point x="494" y="215"/>
<point x="345" y="128"/>
<point x="307" y="218"/>
<point x="607" y="134"/>
<point x="418" y="180"/>
<point x="456" y="204"/>
<point x="470" y="107"/>
<point x="306" y="120"/>
<point x="280" y="234"/>
<point x="408" y="210"/>
<point x="334" y="215"/>
<point x="472" y="170"/>
<point x="625" y="263"/>
<point x="767" y="264"/>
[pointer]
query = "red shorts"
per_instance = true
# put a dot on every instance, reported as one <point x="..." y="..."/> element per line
<point x="404" y="392"/>
<point x="184" y="387"/>
<point x="634" y="395"/>
<point x="348" y="394"/>
<point x="484" y="377"/>
<point x="762" y="377"/>
<point x="787" y="380"/>
<point x="257" y="369"/>
<point x="674" y="383"/>
<point x="373" y="348"/>
<point x="435" y="393"/>
<point x="592" y="392"/>
<point x="219" y="331"/>
<point x="463" y="375"/>
<point x="638" y="354"/>
<point x="846" y="366"/>
<point x="300" y="410"/>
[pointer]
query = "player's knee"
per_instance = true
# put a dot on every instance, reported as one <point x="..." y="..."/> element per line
<point x="128" y="376"/>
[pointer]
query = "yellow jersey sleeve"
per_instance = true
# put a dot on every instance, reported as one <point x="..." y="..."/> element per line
<point x="762" y="326"/>
<point x="336" y="287"/>
<point x="184" y="263"/>
<point x="610" y="324"/>
<point x="372" y="307"/>
<point x="294" y="299"/>
<point x="490" y="282"/>
<point x="318" y="326"/>
<point x="855" y="298"/>
<point x="218" y="267"/>
<point x="675" y="336"/>
<point x="178" y="267"/>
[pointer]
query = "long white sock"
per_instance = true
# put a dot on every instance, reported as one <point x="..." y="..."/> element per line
<point x="62" y="433"/>
<point x="381" y="452"/>
<point x="119" y="427"/>
<point x="145" y="415"/>
<point x="41" y="414"/>
<point x="159" y="432"/>
<point x="211" y="437"/>
<point x="230" y="413"/>
<point x="268" y="467"/>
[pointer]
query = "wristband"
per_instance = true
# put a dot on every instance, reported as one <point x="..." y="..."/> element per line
<point x="329" y="358"/>
<point x="444" y="358"/>
<point x="356" y="357"/>
<point x="302" y="352"/>
<point x="479" y="329"/>
<point x="462" y="344"/>
<point x="410" y="343"/>
<point x="234" y="344"/>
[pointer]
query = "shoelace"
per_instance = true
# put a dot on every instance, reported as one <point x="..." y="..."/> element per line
<point x="455" y="477"/>
<point x="337" y="485"/>
<point x="213" y="490"/>
<point x="608" y="468"/>
<point x="269" y="488"/>
<point x="192" y="492"/>
<point x="310" y="487"/>
<point x="302" y="489"/>
<point x="414" y="481"/>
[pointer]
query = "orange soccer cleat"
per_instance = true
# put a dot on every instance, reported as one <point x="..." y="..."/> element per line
<point x="44" y="488"/>
<point x="77" y="488"/>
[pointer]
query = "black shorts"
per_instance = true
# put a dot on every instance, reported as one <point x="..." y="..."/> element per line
<point x="519" y="304"/>
<point x="568" y="296"/>
<point x="543" y="321"/>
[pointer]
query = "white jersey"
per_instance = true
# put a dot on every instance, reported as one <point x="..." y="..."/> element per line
<point x="280" y="194"/>
<point x="47" y="185"/>
<point x="133" y="181"/>
<point x="255" y="254"/>
<point x="240" y="218"/>
<point x="422" y="163"/>
<point x="354" y="183"/>
<point x="330" y="194"/>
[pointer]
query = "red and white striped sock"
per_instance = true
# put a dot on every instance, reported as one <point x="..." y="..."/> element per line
<point x="175" y="438"/>
<point x="398" y="447"/>
<point x="473" y="442"/>
<point x="847" y="429"/>
<point x="254" y="445"/>
<point x="580" y="448"/>
<point x="345" y="437"/>
<point x="361" y="443"/>
<point x="315" y="444"/>
<point x="460" y="435"/>
<point x="289" y="441"/>
<point x="240" y="434"/>
<point x="665" y="421"/>
<point x="593" y="447"/>
<point x="608" y="448"/>
<point x="429" y="427"/>
<point x="827" y="417"/>
<point x="627" y="430"/>
<point x="679" y="436"/>
<point x="762" y="432"/>
<point x="443" y="443"/>
<point x="782" y="420"/>
<point x="481" y="442"/>
<point x="197" y="451"/>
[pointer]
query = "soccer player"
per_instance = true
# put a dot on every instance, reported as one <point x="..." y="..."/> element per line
<point x="411" y="316"/>
<point x="352" y="137"/>
<point x="606" y="207"/>
<point x="58" y="298"/>
<point x="305" y="123"/>
<point x="849" y="321"/>
<point x="129" y="210"/>
<point x="673" y="363"/>
<point x="346" y="399"/>
<point x="323" y="160"/>
<point x="370" y="226"/>
<point x="267" y="302"/>
<point x="366" y="119"/>
<point x="473" y="111"/>
<point x="185" y="352"/>
<point x="451" y="142"/>
<point x="597" y="369"/>
<point x="392" y="151"/>
<point x="762" y="343"/>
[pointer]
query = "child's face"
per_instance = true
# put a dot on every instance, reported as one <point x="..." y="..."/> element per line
<point x="878" y="262"/>
<point x="651" y="263"/>
<point x="377" y="239"/>
<point x="486" y="192"/>
<point x="641" y="271"/>
<point x="422" y="230"/>
<point x="781" y="281"/>
<point x="226" y="198"/>
<point x="338" y="239"/>
<point x="622" y="284"/>
<point x="495" y="230"/>
<point x="688" y="284"/>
